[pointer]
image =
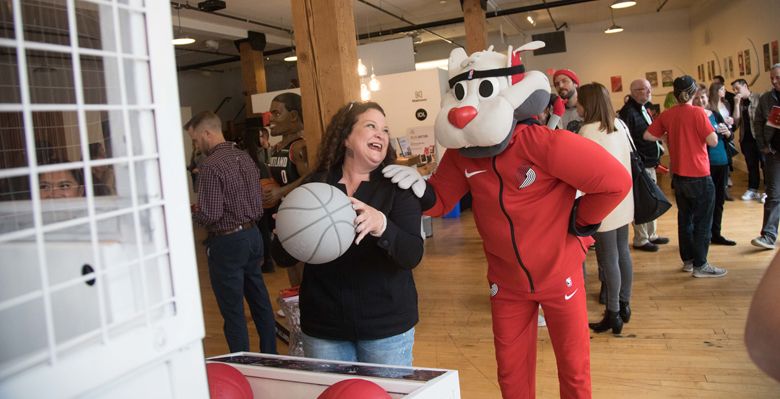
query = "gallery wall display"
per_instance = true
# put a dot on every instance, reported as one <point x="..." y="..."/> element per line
<point x="767" y="59"/>
<point x="748" y="70"/>
<point x="667" y="78"/>
<point x="775" y="56"/>
<point x="617" y="83"/>
<point x="652" y="77"/>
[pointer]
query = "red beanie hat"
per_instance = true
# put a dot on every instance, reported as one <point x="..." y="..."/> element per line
<point x="569" y="73"/>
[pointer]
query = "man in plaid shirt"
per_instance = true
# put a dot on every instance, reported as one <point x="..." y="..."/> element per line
<point x="229" y="203"/>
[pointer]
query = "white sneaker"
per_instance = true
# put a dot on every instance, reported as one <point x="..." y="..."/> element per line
<point x="762" y="198"/>
<point x="750" y="195"/>
<point x="709" y="271"/>
<point x="762" y="242"/>
<point x="687" y="266"/>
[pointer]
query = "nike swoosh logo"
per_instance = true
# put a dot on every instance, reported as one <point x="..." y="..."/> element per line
<point x="476" y="172"/>
<point x="568" y="296"/>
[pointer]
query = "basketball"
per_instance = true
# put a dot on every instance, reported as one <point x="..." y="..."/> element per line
<point x="315" y="223"/>
<point x="267" y="184"/>
<point x="226" y="382"/>
<point x="354" y="388"/>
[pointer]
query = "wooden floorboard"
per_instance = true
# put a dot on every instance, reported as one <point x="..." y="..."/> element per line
<point x="685" y="339"/>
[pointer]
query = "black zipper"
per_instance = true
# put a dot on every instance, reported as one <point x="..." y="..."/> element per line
<point x="511" y="225"/>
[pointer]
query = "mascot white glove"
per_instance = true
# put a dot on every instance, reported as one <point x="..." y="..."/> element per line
<point x="405" y="177"/>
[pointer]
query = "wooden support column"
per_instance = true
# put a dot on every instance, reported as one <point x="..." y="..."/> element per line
<point x="476" y="26"/>
<point x="327" y="63"/>
<point x="252" y="74"/>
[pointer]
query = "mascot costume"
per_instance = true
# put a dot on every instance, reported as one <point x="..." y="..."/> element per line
<point x="524" y="178"/>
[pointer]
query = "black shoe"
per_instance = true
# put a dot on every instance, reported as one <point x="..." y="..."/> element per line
<point x="611" y="320"/>
<point x="720" y="240"/>
<point x="625" y="311"/>
<point x="268" y="266"/>
<point x="649" y="247"/>
<point x="660" y="241"/>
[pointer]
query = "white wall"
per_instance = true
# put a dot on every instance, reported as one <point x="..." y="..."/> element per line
<point x="729" y="28"/>
<point x="203" y="91"/>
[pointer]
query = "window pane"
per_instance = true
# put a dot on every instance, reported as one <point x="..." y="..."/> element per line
<point x="7" y="20"/>
<point x="147" y="177"/>
<point x="51" y="77"/>
<point x="100" y="80"/>
<point x="89" y="26"/>
<point x="46" y="21"/>
<point x="23" y="275"/>
<point x="13" y="152"/>
<point x="9" y="75"/>
<point x="137" y="81"/>
<point x="143" y="132"/>
<point x="23" y="328"/>
<point x="132" y="26"/>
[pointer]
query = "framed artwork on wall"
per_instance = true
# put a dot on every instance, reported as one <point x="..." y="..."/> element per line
<point x="731" y="66"/>
<point x="748" y="70"/>
<point x="741" y="61"/>
<point x="617" y="83"/>
<point x="775" y="57"/>
<point x="652" y="77"/>
<point x="767" y="58"/>
<point x="667" y="78"/>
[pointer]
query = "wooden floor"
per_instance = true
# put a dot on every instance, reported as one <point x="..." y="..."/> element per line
<point x="685" y="339"/>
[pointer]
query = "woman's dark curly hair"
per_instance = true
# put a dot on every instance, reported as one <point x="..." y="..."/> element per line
<point x="332" y="149"/>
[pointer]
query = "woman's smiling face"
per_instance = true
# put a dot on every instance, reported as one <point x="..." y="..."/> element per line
<point x="369" y="139"/>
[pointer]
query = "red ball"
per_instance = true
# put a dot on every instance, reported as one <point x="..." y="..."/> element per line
<point x="354" y="388"/>
<point x="226" y="382"/>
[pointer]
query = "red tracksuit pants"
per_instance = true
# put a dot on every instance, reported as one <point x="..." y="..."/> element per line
<point x="515" y="332"/>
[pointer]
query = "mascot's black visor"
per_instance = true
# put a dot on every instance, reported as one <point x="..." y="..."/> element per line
<point x="487" y="73"/>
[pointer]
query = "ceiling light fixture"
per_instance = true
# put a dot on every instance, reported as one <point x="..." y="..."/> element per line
<point x="180" y="39"/>
<point x="361" y="68"/>
<point x="614" y="28"/>
<point x="530" y="20"/>
<point x="623" y="3"/>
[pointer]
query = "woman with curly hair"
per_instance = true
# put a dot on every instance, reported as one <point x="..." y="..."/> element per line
<point x="363" y="305"/>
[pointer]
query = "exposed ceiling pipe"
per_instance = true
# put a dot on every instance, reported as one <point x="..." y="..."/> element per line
<point x="393" y="31"/>
<point x="661" y="6"/>
<point x="406" y="20"/>
<point x="187" y="6"/>
<point x="557" y="28"/>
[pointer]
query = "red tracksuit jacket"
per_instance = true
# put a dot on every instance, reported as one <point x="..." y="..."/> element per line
<point x="523" y="198"/>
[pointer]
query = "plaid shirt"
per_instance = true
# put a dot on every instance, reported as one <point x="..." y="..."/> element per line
<point x="229" y="192"/>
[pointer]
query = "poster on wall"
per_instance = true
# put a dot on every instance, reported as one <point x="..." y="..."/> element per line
<point x="709" y="70"/>
<point x="667" y="78"/>
<point x="617" y="83"/>
<point x="712" y="66"/>
<point x="726" y="67"/>
<point x="767" y="59"/>
<point x="741" y="62"/>
<point x="731" y="66"/>
<point x="775" y="57"/>
<point x="748" y="70"/>
<point x="652" y="77"/>
<point x="699" y="72"/>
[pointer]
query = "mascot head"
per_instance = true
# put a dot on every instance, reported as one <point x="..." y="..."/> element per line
<point x="489" y="93"/>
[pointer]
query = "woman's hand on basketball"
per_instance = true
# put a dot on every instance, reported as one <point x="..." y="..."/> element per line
<point x="368" y="221"/>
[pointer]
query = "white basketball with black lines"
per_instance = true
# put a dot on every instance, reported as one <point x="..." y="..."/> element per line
<point x="315" y="223"/>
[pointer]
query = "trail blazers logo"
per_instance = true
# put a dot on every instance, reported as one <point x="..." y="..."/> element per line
<point x="526" y="176"/>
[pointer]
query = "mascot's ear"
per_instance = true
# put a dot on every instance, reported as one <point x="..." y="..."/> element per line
<point x="513" y="57"/>
<point x="457" y="56"/>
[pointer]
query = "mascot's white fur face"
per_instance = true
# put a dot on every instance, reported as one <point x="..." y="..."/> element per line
<point x="478" y="113"/>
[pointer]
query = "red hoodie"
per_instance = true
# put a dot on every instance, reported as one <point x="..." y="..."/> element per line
<point x="522" y="202"/>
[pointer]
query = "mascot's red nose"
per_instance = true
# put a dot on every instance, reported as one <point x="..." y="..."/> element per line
<point x="460" y="117"/>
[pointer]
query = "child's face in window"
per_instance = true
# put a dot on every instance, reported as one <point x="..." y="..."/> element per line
<point x="59" y="184"/>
